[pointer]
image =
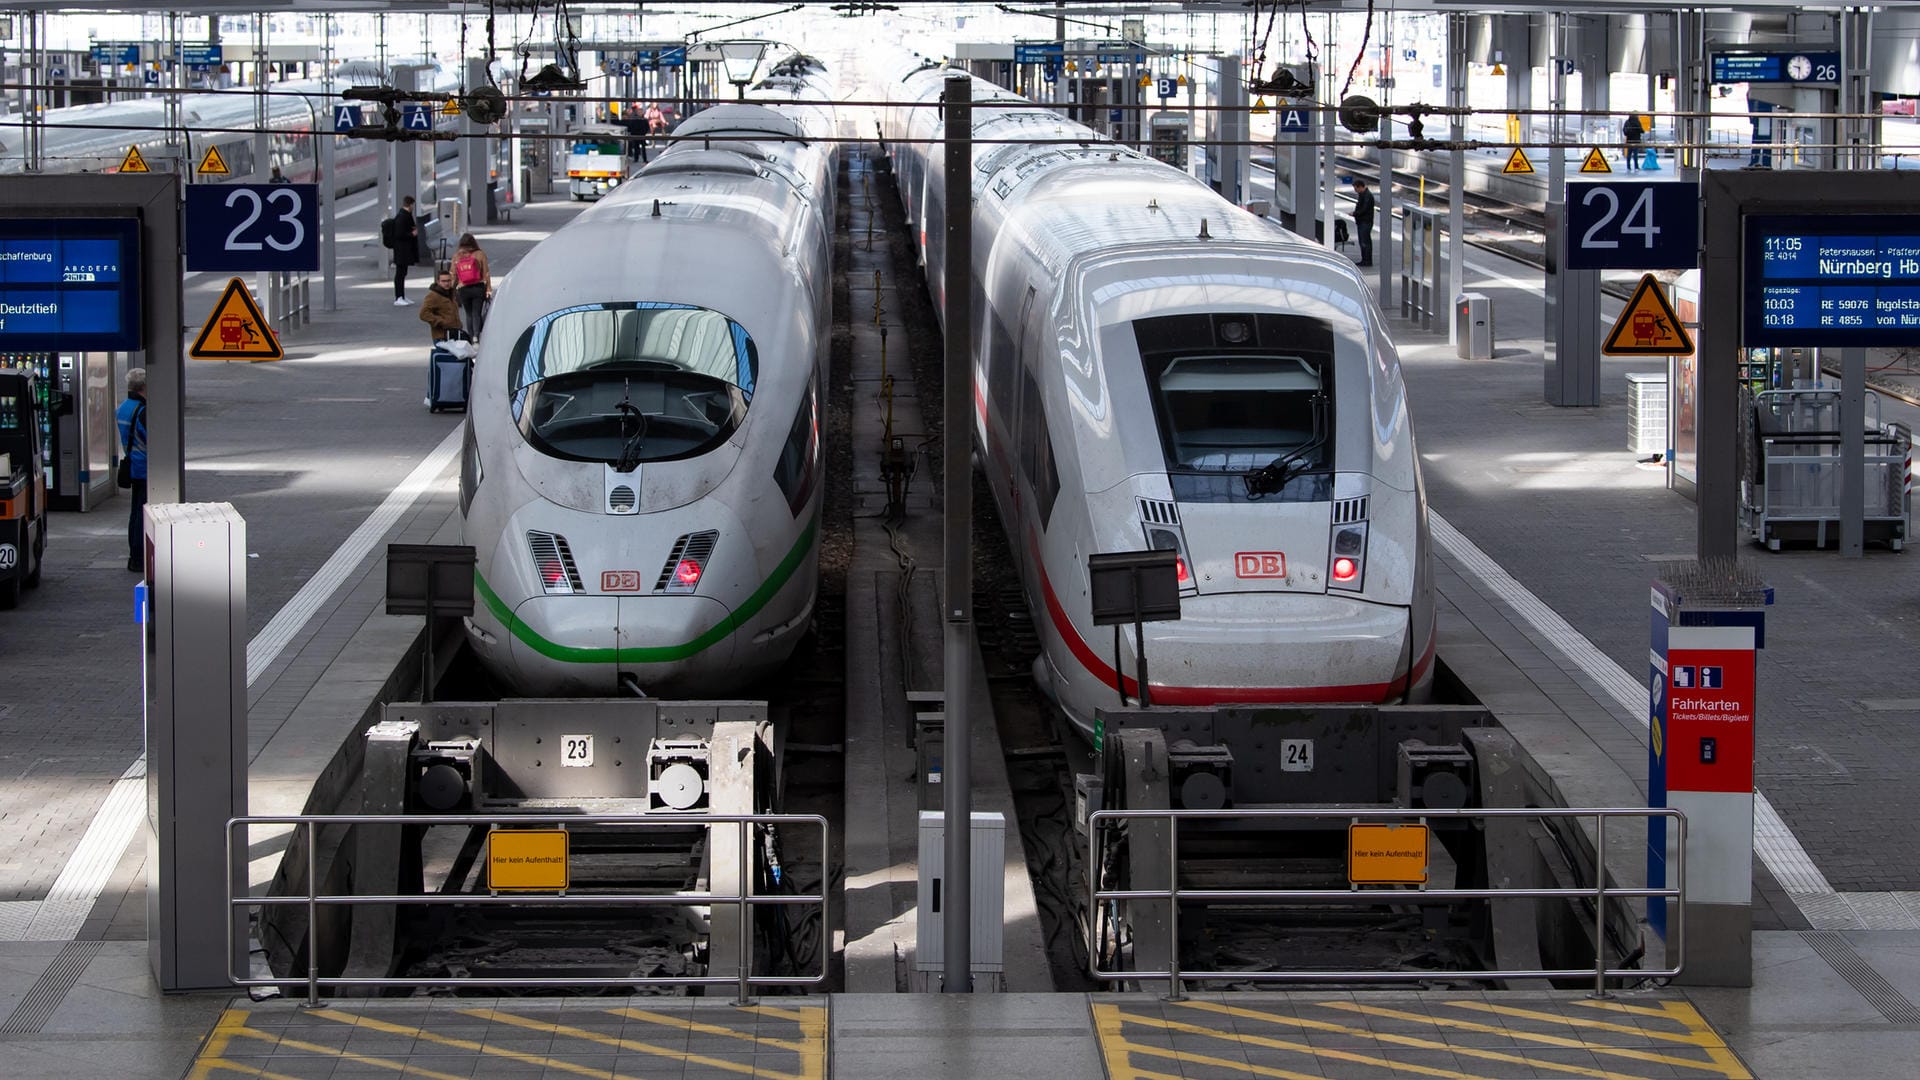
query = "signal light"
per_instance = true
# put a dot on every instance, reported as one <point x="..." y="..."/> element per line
<point x="687" y="572"/>
<point x="1345" y="569"/>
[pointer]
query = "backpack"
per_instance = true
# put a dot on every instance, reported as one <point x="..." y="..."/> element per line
<point x="466" y="270"/>
<point x="389" y="231"/>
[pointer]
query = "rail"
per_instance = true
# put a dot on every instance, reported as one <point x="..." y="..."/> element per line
<point x="745" y="902"/>
<point x="1173" y="894"/>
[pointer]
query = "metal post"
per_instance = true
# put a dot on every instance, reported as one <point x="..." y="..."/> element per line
<point x="323" y="134"/>
<point x="745" y="995"/>
<point x="1717" y="409"/>
<point x="1329" y="124"/>
<point x="1383" y="247"/>
<point x="313" y="918"/>
<point x="1173" y="910"/>
<point x="1557" y="106"/>
<point x="957" y="481"/>
<point x="1140" y="656"/>
<point x="1456" y="170"/>
<point x="1853" y="450"/>
<point x="1600" y="907"/>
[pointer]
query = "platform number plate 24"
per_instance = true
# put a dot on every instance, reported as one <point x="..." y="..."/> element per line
<point x="1632" y="225"/>
<point x="1296" y="755"/>
<point x="576" y="751"/>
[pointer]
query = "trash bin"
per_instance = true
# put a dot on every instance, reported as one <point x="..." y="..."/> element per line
<point x="1473" y="325"/>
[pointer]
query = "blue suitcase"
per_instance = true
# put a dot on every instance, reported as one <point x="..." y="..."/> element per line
<point x="449" y="377"/>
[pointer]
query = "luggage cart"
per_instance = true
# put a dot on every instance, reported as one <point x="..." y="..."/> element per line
<point x="1791" y="487"/>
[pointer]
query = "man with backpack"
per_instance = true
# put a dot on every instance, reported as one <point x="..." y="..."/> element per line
<point x="401" y="233"/>
<point x="131" y="418"/>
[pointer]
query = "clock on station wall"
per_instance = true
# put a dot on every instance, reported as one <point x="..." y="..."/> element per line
<point x="1799" y="68"/>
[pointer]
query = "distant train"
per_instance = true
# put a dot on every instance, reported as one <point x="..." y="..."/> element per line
<point x="642" y="471"/>
<point x="1156" y="368"/>
<point x="96" y="138"/>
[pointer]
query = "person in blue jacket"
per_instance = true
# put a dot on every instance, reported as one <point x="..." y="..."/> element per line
<point x="132" y="419"/>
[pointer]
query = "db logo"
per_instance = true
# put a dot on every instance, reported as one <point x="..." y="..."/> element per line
<point x="620" y="581"/>
<point x="1258" y="564"/>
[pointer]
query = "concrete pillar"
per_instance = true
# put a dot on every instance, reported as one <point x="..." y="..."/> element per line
<point x="1456" y="166"/>
<point x="1518" y="48"/>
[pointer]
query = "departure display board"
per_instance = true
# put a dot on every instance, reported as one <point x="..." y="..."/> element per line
<point x="1837" y="280"/>
<point x="1784" y="66"/>
<point x="69" y="285"/>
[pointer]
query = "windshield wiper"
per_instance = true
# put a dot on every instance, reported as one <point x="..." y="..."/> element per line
<point x="1271" y="478"/>
<point x="629" y="459"/>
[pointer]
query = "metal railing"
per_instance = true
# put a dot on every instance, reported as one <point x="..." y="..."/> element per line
<point x="1173" y="894"/>
<point x="288" y="300"/>
<point x="743" y="979"/>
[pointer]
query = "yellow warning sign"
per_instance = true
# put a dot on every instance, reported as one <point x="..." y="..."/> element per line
<point x="236" y="330"/>
<point x="134" y="162"/>
<point x="1498" y="69"/>
<point x="1387" y="854"/>
<point x="1518" y="163"/>
<point x="532" y="859"/>
<point x="1648" y="326"/>
<point x="451" y="108"/>
<point x="212" y="164"/>
<point x="1596" y="162"/>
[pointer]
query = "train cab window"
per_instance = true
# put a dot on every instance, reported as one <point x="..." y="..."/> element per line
<point x="1241" y="394"/>
<point x="631" y="382"/>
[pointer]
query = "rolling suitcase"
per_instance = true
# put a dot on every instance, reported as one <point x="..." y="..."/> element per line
<point x="450" y="373"/>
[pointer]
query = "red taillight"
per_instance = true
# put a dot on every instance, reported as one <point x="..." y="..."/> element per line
<point x="552" y="574"/>
<point x="1345" y="569"/>
<point x="687" y="572"/>
<point x="1180" y="568"/>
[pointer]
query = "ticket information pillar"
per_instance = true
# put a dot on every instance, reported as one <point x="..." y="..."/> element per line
<point x="1701" y="703"/>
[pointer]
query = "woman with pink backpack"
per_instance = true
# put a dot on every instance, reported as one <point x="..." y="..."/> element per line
<point x="472" y="282"/>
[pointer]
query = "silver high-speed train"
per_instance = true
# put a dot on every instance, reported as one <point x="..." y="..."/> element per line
<point x="642" y="474"/>
<point x="1155" y="368"/>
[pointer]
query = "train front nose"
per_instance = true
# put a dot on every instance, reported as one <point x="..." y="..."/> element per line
<point x="1275" y="648"/>
<point x="660" y="641"/>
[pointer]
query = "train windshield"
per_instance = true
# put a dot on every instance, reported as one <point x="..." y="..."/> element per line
<point x="1241" y="394"/>
<point x="630" y="383"/>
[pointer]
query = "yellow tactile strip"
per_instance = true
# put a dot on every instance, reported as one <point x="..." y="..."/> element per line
<point x="452" y="1039"/>
<point x="1308" y="1036"/>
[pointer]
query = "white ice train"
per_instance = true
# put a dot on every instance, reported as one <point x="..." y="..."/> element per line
<point x="1155" y="368"/>
<point x="642" y="475"/>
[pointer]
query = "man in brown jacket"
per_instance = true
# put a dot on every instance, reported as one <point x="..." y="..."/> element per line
<point x="439" y="311"/>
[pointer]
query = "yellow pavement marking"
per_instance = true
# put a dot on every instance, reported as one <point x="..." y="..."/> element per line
<point x="211" y="1064"/>
<point x="1402" y="1040"/>
<point x="353" y="1020"/>
<point x="1523" y="1035"/>
<point x="1683" y="1013"/>
<point x="1304" y="1048"/>
<point x="1688" y="1038"/>
<point x="1623" y="1007"/>
<point x="637" y="1046"/>
<point x="1699" y="1034"/>
<point x="230" y="1021"/>
<point x="690" y="1024"/>
<point x="1107" y="1020"/>
<point x="802" y="1015"/>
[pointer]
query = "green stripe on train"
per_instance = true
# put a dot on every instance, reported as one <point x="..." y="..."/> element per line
<point x="653" y="654"/>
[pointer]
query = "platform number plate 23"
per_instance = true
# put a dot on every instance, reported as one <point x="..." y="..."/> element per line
<point x="235" y="228"/>
<point x="576" y="751"/>
<point x="1296" y="755"/>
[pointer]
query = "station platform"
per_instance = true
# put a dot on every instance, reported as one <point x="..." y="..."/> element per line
<point x="1547" y="536"/>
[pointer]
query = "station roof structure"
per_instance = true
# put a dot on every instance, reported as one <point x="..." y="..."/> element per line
<point x="1037" y="7"/>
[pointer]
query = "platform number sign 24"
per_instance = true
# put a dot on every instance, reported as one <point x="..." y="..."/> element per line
<point x="240" y="227"/>
<point x="1632" y="225"/>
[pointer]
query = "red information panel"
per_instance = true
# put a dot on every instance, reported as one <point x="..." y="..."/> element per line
<point x="1710" y="696"/>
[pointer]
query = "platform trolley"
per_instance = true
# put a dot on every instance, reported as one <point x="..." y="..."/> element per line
<point x="1790" y="485"/>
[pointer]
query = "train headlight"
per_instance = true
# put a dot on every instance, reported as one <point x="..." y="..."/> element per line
<point x="688" y="560"/>
<point x="1168" y="540"/>
<point x="1349" y="559"/>
<point x="687" y="573"/>
<point x="553" y="561"/>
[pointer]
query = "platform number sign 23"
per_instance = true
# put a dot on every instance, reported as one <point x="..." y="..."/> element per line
<point x="240" y="227"/>
<point x="1632" y="225"/>
<point x="576" y="751"/>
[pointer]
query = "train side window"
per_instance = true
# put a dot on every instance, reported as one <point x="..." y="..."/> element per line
<point x="1001" y="359"/>
<point x="794" y="472"/>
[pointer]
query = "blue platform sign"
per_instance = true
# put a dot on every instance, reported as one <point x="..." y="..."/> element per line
<point x="114" y="52"/>
<point x="1632" y="225"/>
<point x="1831" y="281"/>
<point x="1166" y="87"/>
<point x="70" y="285"/>
<point x="416" y="117"/>
<point x="346" y="117"/>
<point x="200" y="54"/>
<point x="672" y="57"/>
<point x="1294" y="122"/>
<point x="1775" y="66"/>
<point x="1043" y="53"/>
<point x="234" y="228"/>
<point x="1051" y="74"/>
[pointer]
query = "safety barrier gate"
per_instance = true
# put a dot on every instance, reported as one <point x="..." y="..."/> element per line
<point x="1599" y="893"/>
<point x="288" y="300"/>
<point x="743" y="979"/>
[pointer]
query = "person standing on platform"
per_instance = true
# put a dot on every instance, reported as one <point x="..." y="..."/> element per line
<point x="1363" y="220"/>
<point x="472" y="282"/>
<point x="440" y="311"/>
<point x="1631" y="133"/>
<point x="131" y="418"/>
<point x="406" y="250"/>
<point x="276" y="178"/>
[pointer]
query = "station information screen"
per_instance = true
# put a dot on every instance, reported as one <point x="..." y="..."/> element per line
<point x="1837" y="280"/>
<point x="70" y="285"/>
